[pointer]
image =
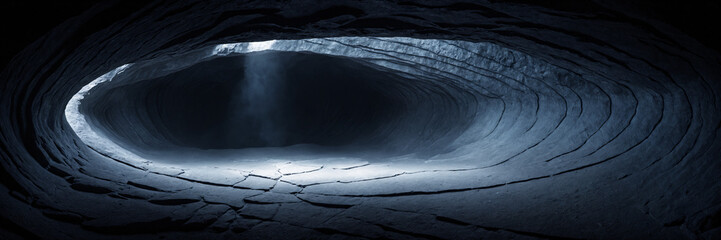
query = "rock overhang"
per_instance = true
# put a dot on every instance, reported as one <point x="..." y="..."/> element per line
<point x="626" y="130"/>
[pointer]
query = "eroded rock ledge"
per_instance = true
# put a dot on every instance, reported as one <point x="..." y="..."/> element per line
<point x="534" y="123"/>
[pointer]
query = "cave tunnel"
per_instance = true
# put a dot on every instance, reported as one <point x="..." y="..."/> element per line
<point x="361" y="120"/>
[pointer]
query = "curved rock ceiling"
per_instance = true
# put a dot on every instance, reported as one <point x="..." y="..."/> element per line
<point x="373" y="120"/>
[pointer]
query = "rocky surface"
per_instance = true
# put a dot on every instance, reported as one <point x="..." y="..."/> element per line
<point x="480" y="120"/>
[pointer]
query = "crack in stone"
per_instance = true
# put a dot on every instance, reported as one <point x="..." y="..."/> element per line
<point x="606" y="123"/>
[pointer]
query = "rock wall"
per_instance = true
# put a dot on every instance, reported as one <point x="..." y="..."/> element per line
<point x="462" y="120"/>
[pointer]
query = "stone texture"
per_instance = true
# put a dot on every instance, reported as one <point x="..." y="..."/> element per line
<point x="584" y="124"/>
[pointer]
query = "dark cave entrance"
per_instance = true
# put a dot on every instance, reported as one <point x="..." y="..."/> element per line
<point x="266" y="99"/>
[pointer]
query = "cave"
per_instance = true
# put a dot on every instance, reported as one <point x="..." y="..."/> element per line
<point x="361" y="120"/>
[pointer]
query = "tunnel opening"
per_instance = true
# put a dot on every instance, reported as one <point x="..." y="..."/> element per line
<point x="584" y="123"/>
<point x="272" y="99"/>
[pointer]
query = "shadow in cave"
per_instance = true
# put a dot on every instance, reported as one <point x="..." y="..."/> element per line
<point x="261" y="104"/>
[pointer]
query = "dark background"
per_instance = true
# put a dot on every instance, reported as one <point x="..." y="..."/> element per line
<point x="25" y="21"/>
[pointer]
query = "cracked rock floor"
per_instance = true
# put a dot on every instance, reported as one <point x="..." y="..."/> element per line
<point x="496" y="120"/>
